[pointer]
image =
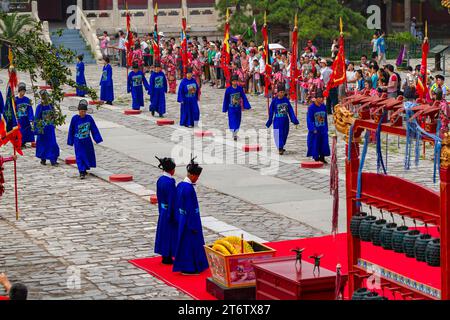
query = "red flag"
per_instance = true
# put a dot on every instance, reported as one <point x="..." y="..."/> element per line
<point x="294" y="69"/>
<point x="184" y="48"/>
<point x="339" y="75"/>
<point x="268" y="69"/>
<point x="157" y="53"/>
<point x="130" y="41"/>
<point x="421" y="86"/>
<point x="225" y="58"/>
<point x="9" y="124"/>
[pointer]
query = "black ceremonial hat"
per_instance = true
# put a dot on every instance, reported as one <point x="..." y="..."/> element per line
<point x="166" y="164"/>
<point x="83" y="105"/>
<point x="194" y="168"/>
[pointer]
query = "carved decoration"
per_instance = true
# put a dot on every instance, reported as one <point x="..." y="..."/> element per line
<point x="343" y="120"/>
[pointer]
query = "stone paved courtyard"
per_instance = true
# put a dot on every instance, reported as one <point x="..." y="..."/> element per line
<point x="71" y="229"/>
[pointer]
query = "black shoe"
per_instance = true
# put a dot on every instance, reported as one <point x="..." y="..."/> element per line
<point x="167" y="260"/>
<point x="281" y="152"/>
<point x="43" y="162"/>
<point x="109" y="102"/>
<point x="235" y="138"/>
<point x="83" y="175"/>
<point x="55" y="164"/>
<point x="153" y="113"/>
<point x="161" y="116"/>
<point x="24" y="146"/>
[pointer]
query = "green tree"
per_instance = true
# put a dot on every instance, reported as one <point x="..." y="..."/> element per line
<point x="12" y="24"/>
<point x="42" y="60"/>
<point x="315" y="18"/>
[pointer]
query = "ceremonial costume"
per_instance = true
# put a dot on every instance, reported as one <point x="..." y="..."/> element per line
<point x="25" y="116"/>
<point x="157" y="91"/>
<point x="188" y="98"/>
<point x="190" y="256"/>
<point x="80" y="79"/>
<point x="170" y="64"/>
<point x="234" y="101"/>
<point x="46" y="146"/>
<point x="282" y="110"/>
<point x="318" y="146"/>
<point x="107" y="85"/>
<point x="167" y="229"/>
<point x="79" y="136"/>
<point x="136" y="79"/>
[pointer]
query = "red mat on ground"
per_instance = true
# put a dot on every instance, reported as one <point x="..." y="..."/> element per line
<point x="333" y="249"/>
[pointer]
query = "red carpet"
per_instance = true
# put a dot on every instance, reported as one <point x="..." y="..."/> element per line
<point x="334" y="251"/>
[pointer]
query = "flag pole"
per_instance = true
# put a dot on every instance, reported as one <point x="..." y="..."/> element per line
<point x="267" y="60"/>
<point x="295" y="67"/>
<point x="11" y="85"/>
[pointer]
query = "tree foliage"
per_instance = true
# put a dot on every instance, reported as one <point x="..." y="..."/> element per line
<point x="317" y="19"/>
<point x="42" y="60"/>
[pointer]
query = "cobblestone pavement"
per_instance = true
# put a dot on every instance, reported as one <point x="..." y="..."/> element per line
<point x="92" y="228"/>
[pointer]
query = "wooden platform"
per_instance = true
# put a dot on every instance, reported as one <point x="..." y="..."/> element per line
<point x="223" y="293"/>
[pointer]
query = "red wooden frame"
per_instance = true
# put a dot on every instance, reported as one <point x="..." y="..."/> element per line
<point x="395" y="196"/>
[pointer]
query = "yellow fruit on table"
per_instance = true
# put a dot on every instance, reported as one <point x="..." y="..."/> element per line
<point x="220" y="248"/>
<point x="236" y="242"/>
<point x="227" y="245"/>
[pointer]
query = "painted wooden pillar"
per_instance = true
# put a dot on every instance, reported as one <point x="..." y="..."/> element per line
<point x="445" y="231"/>
<point x="354" y="245"/>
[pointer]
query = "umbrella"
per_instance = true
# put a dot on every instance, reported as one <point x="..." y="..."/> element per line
<point x="276" y="46"/>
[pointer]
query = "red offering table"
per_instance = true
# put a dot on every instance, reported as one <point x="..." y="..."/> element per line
<point x="281" y="279"/>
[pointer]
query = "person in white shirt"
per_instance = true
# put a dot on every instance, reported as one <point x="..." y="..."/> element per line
<point x="122" y="48"/>
<point x="351" y="77"/>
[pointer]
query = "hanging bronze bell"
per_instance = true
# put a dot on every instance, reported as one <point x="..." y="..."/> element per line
<point x="409" y="241"/>
<point x="421" y="246"/>
<point x="386" y="235"/>
<point x="355" y="222"/>
<point x="397" y="238"/>
<point x="433" y="253"/>
<point x="365" y="226"/>
<point x="375" y="230"/>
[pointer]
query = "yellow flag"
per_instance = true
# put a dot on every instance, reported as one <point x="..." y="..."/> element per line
<point x="156" y="9"/>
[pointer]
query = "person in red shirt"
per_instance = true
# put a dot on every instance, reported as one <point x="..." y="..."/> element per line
<point x="16" y="291"/>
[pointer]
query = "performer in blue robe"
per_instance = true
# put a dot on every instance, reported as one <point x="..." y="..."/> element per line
<point x="188" y="98"/>
<point x="281" y="109"/>
<point x="318" y="146"/>
<point x="25" y="115"/>
<point x="136" y="79"/>
<point x="106" y="83"/>
<point x="2" y="103"/>
<point x="46" y="146"/>
<point x="233" y="102"/>
<point x="190" y="257"/>
<point x="80" y="130"/>
<point x="80" y="78"/>
<point x="167" y="230"/>
<point x="157" y="91"/>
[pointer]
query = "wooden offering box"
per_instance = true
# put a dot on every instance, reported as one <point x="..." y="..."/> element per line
<point x="236" y="271"/>
<point x="281" y="279"/>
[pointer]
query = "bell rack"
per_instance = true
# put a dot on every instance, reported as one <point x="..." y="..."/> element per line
<point x="394" y="196"/>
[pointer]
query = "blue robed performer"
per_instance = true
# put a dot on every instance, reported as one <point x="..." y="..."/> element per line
<point x="106" y="83"/>
<point x="25" y="115"/>
<point x="167" y="229"/>
<point x="46" y="146"/>
<point x="318" y="146"/>
<point x="157" y="91"/>
<point x="188" y="98"/>
<point x="233" y="102"/>
<point x="136" y="79"/>
<point x="80" y="78"/>
<point x="190" y="257"/>
<point x="80" y="130"/>
<point x="282" y="110"/>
